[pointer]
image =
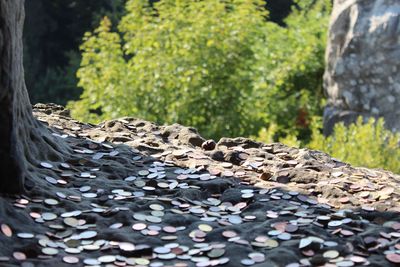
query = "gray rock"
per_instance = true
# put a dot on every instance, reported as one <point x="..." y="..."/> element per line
<point x="362" y="58"/>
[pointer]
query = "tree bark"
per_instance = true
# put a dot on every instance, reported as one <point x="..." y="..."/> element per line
<point x="24" y="141"/>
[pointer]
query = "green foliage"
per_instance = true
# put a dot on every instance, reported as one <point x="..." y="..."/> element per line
<point x="214" y="65"/>
<point x="182" y="61"/>
<point x="362" y="144"/>
<point x="293" y="66"/>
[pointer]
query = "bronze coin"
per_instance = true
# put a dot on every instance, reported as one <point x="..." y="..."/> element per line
<point x="169" y="229"/>
<point x="393" y="257"/>
<point x="19" y="256"/>
<point x="229" y="234"/>
<point x="6" y="230"/>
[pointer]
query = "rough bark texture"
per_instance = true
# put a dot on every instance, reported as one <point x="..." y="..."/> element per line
<point x="23" y="140"/>
<point x="361" y="76"/>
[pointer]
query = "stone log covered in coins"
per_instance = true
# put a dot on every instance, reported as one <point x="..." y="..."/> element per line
<point x="23" y="140"/>
<point x="362" y="56"/>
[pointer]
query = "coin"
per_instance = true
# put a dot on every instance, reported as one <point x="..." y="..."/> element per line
<point x="116" y="226"/>
<point x="344" y="263"/>
<point x="51" y="202"/>
<point x="25" y="235"/>
<point x="393" y="257"/>
<point x="126" y="246"/>
<point x="48" y="216"/>
<point x="156" y="207"/>
<point x="247" y="262"/>
<point x="139" y="226"/>
<point x="70" y="259"/>
<point x="46" y="165"/>
<point x="91" y="262"/>
<point x="19" y="256"/>
<point x="106" y="259"/>
<point x="205" y="227"/>
<point x="257" y="257"/>
<point x="51" y="180"/>
<point x="161" y="250"/>
<point x="6" y="230"/>
<point x="331" y="254"/>
<point x="216" y="253"/>
<point x="70" y="221"/>
<point x="50" y="251"/>
<point x="87" y="234"/>
<point x="169" y="229"/>
<point x="142" y="261"/>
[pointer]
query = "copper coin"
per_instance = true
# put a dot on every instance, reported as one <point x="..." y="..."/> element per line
<point x="169" y="229"/>
<point x="6" y="230"/>
<point x="19" y="256"/>
<point x="393" y="257"/>
<point x="229" y="234"/>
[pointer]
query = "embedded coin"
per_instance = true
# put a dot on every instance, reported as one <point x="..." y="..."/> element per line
<point x="88" y="234"/>
<point x="19" y="256"/>
<point x="116" y="226"/>
<point x="257" y="257"/>
<point x="156" y="207"/>
<point x="51" y="202"/>
<point x="139" y="226"/>
<point x="48" y="216"/>
<point x="331" y="254"/>
<point x="126" y="246"/>
<point x="25" y="235"/>
<point x="46" y="165"/>
<point x="70" y="259"/>
<point x="229" y="234"/>
<point x="247" y="262"/>
<point x="216" y="253"/>
<point x="161" y="250"/>
<point x="70" y="221"/>
<point x="91" y="262"/>
<point x="50" y="251"/>
<point x="393" y="257"/>
<point x="205" y="227"/>
<point x="106" y="259"/>
<point x="6" y="230"/>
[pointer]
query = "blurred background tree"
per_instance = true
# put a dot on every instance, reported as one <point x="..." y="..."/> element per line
<point x="188" y="61"/>
<point x="217" y="66"/>
<point x="291" y="72"/>
<point x="53" y="33"/>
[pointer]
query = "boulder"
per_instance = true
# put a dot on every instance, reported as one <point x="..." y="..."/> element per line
<point x="362" y="62"/>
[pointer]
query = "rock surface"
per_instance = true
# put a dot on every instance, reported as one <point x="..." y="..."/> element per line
<point x="361" y="76"/>
<point x="140" y="194"/>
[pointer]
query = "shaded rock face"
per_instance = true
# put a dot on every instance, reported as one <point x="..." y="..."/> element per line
<point x="362" y="56"/>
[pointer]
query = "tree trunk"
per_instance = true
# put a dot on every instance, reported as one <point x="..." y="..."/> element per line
<point x="23" y="140"/>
